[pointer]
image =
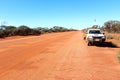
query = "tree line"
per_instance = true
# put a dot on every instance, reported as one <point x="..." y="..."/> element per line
<point x="111" y="26"/>
<point x="7" y="31"/>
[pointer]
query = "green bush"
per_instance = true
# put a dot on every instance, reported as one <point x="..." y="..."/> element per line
<point x="35" y="32"/>
<point x="2" y="34"/>
<point x="25" y="30"/>
<point x="10" y="30"/>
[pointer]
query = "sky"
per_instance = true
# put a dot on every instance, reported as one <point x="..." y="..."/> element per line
<point x="77" y="14"/>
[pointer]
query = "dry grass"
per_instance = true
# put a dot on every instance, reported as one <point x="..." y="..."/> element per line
<point x="113" y="37"/>
<point x="118" y="56"/>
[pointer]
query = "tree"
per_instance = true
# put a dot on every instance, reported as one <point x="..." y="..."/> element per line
<point x="23" y="30"/>
<point x="35" y="32"/>
<point x="112" y="26"/>
<point x="95" y="26"/>
<point x="2" y="34"/>
<point x="117" y="27"/>
<point x="10" y="30"/>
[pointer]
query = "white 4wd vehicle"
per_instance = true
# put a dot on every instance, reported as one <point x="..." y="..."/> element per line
<point x="94" y="36"/>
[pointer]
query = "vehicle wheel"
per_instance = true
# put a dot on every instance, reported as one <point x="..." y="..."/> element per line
<point x="103" y="43"/>
<point x="88" y="43"/>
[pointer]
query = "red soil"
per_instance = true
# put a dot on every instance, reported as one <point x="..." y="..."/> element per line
<point x="57" y="56"/>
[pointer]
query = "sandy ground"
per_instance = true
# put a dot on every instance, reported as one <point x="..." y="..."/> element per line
<point x="57" y="56"/>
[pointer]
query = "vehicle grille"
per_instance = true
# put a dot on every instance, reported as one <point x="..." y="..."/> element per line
<point x="97" y="37"/>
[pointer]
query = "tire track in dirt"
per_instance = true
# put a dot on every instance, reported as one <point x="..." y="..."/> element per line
<point x="57" y="56"/>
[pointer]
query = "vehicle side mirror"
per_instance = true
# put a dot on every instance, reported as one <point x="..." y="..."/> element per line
<point x="103" y="33"/>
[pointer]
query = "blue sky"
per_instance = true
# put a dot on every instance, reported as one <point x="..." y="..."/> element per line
<point x="77" y="14"/>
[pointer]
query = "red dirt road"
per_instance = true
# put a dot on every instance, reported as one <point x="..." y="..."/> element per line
<point x="57" y="56"/>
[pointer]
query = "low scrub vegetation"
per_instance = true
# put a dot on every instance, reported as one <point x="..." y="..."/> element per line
<point x="113" y="36"/>
<point x="6" y="31"/>
<point x="111" y="28"/>
<point x="109" y="36"/>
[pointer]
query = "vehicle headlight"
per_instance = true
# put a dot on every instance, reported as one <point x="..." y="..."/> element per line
<point x="103" y="37"/>
<point x="90" y="37"/>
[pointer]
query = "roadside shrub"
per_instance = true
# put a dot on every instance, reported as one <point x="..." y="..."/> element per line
<point x="2" y="34"/>
<point x="10" y="30"/>
<point x="43" y="30"/>
<point x="23" y="30"/>
<point x="117" y="36"/>
<point x="35" y="32"/>
<point x="108" y="36"/>
<point x="6" y="31"/>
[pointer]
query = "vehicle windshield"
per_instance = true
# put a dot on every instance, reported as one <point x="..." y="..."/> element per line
<point x="94" y="32"/>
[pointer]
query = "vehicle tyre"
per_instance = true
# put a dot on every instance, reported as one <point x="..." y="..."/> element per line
<point x="88" y="43"/>
<point x="103" y="43"/>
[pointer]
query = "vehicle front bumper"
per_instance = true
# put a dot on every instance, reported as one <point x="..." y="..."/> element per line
<point x="96" y="40"/>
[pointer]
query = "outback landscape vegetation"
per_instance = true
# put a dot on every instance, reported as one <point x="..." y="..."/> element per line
<point x="111" y="29"/>
<point x="59" y="40"/>
<point x="8" y="31"/>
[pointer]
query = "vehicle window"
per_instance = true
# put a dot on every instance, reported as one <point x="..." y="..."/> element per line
<point x="94" y="32"/>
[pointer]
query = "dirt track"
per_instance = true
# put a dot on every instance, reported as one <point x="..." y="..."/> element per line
<point x="57" y="56"/>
